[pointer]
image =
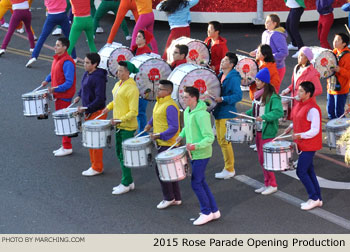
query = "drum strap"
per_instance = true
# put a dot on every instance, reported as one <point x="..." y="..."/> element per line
<point x="342" y="54"/>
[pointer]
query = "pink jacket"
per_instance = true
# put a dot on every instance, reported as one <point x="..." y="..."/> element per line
<point x="56" y="6"/>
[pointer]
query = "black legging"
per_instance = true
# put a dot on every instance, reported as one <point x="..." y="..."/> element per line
<point x="292" y="26"/>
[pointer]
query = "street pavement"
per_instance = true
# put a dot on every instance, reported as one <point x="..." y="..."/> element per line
<point x="41" y="193"/>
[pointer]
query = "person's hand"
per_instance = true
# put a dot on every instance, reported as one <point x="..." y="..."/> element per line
<point x="51" y="89"/>
<point x="218" y="99"/>
<point x="190" y="147"/>
<point x="76" y="99"/>
<point x="114" y="122"/>
<point x="105" y="111"/>
<point x="296" y="137"/>
<point x="259" y="119"/>
<point x="335" y="68"/>
<point x="44" y="83"/>
<point x="154" y="136"/>
<point x="252" y="54"/>
<point x="285" y="91"/>
<point x="147" y="128"/>
<point x="80" y="109"/>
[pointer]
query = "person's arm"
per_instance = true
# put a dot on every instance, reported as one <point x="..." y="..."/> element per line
<point x="233" y="84"/>
<point x="68" y="71"/>
<point x="313" y="116"/>
<point x="346" y="7"/>
<point x="344" y="69"/>
<point x="281" y="45"/>
<point x="204" y="125"/>
<point x="173" y="123"/>
<point x="192" y="3"/>
<point x="276" y="111"/>
<point x="100" y="95"/>
<point x="133" y="99"/>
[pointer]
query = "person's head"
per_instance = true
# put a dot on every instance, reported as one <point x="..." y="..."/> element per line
<point x="165" y="88"/>
<point x="214" y="29"/>
<point x="170" y="6"/>
<point x="61" y="46"/>
<point x="123" y="73"/>
<point x="264" y="53"/>
<point x="91" y="61"/>
<point x="229" y="61"/>
<point x="305" y="56"/>
<point x="140" y="39"/>
<point x="306" y="90"/>
<point x="341" y="40"/>
<point x="272" y="22"/>
<point x="262" y="78"/>
<point x="180" y="52"/>
<point x="191" y="96"/>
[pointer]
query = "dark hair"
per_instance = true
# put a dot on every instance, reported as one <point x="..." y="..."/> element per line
<point x="309" y="87"/>
<point x="182" y="48"/>
<point x="217" y="25"/>
<point x="266" y="51"/>
<point x="192" y="91"/>
<point x="93" y="57"/>
<point x="170" y="6"/>
<point x="143" y="33"/>
<point x="268" y="91"/>
<point x="276" y="19"/>
<point x="168" y="84"/>
<point x="123" y="64"/>
<point x="344" y="38"/>
<point x="64" y="41"/>
<point x="232" y="58"/>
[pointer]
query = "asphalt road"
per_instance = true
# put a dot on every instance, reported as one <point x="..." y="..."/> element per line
<point x="41" y="193"/>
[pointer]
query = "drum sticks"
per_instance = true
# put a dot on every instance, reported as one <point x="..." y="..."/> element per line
<point x="347" y="28"/>
<point x="241" y="51"/>
<point x="250" y="117"/>
<point x="37" y="88"/>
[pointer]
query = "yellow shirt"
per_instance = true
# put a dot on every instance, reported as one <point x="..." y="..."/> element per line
<point x="125" y="104"/>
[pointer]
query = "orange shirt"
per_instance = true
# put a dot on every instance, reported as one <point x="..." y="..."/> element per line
<point x="343" y="75"/>
<point x="144" y="6"/>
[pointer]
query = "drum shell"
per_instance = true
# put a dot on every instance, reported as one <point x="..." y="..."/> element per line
<point x="137" y="156"/>
<point x="67" y="124"/>
<point x="35" y="104"/>
<point x="96" y="137"/>
<point x="278" y="159"/>
<point x="239" y="131"/>
<point x="287" y="108"/>
<point x="334" y="132"/>
<point x="172" y="169"/>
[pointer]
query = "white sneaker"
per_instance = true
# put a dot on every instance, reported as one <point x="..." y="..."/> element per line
<point x="295" y="164"/>
<point x="255" y="148"/>
<point x="5" y="25"/>
<point x="31" y="49"/>
<point x="99" y="30"/>
<point x="216" y="215"/>
<point x="30" y="62"/>
<point x="177" y="203"/>
<point x="2" y="51"/>
<point x="224" y="174"/>
<point x="252" y="146"/>
<point x="120" y="189"/>
<point x="202" y="219"/>
<point x="292" y="48"/>
<point x="128" y="37"/>
<point x="295" y="55"/>
<point x="57" y="150"/>
<point x="63" y="152"/>
<point x="310" y="204"/>
<point x="57" y="31"/>
<point x="20" y="30"/>
<point x="90" y="172"/>
<point x="269" y="190"/>
<point x="132" y="186"/>
<point x="261" y="189"/>
<point x="35" y="38"/>
<point x="165" y="203"/>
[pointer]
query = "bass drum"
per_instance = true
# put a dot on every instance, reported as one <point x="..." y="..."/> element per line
<point x="199" y="77"/>
<point x="151" y="69"/>
<point x="247" y="68"/>
<point x="324" y="60"/>
<point x="198" y="52"/>
<point x="111" y="55"/>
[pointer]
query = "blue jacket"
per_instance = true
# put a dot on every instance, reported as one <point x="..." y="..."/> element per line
<point x="324" y="6"/>
<point x="346" y="7"/>
<point x="231" y="92"/>
<point x="180" y="17"/>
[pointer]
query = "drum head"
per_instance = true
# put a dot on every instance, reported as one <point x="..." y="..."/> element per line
<point x="323" y="60"/>
<point x="277" y="146"/>
<point x="137" y="141"/>
<point x="247" y="68"/>
<point x="202" y="78"/>
<point x="338" y="123"/>
<point x="65" y="111"/>
<point x="240" y="121"/>
<point x="97" y="124"/>
<point x="121" y="53"/>
<point x="151" y="70"/>
<point x="166" y="155"/>
<point x="198" y="52"/>
<point x="36" y="93"/>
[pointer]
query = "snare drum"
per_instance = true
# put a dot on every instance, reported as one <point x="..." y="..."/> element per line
<point x="198" y="51"/>
<point x="247" y="68"/>
<point x="111" y="55"/>
<point x="287" y="108"/>
<point x="335" y="128"/>
<point x="67" y="121"/>
<point x="278" y="156"/>
<point x="202" y="78"/>
<point x="151" y="70"/>
<point x="172" y="165"/>
<point x="97" y="134"/>
<point x="323" y="60"/>
<point x="239" y="130"/>
<point x="137" y="152"/>
<point x="36" y="103"/>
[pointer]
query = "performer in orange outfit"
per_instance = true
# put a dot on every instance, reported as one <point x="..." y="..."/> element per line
<point x="124" y="7"/>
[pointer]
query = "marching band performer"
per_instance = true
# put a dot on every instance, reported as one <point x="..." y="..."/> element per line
<point x="307" y="134"/>
<point x="166" y="122"/>
<point x="231" y="93"/>
<point x="199" y="138"/>
<point x="125" y="108"/>
<point x="143" y="38"/>
<point x="179" y="55"/>
<point x="63" y="79"/>
<point x="267" y="109"/>
<point x="93" y="96"/>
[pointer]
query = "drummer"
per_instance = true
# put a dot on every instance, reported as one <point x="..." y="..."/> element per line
<point x="93" y="96"/>
<point x="216" y="44"/>
<point x="336" y="97"/>
<point x="166" y="122"/>
<point x="62" y="78"/>
<point x="199" y="138"/>
<point x="231" y="93"/>
<point x="125" y="108"/>
<point x="143" y="38"/>
<point x="179" y="55"/>
<point x="267" y="109"/>
<point x="308" y="137"/>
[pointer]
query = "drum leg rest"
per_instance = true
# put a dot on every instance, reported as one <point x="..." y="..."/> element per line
<point x="74" y="135"/>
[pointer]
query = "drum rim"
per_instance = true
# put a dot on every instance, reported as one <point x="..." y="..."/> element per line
<point x="168" y="159"/>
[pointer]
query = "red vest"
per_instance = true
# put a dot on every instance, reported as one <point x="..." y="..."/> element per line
<point x="301" y="124"/>
<point x="178" y="63"/>
<point x="57" y="75"/>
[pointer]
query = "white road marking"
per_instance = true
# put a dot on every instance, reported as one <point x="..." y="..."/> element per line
<point x="328" y="216"/>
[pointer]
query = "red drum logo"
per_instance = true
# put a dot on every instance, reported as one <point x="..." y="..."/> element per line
<point x="246" y="68"/>
<point x="324" y="62"/>
<point x="193" y="54"/>
<point x="200" y="85"/>
<point x="154" y="74"/>
<point x="121" y="57"/>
